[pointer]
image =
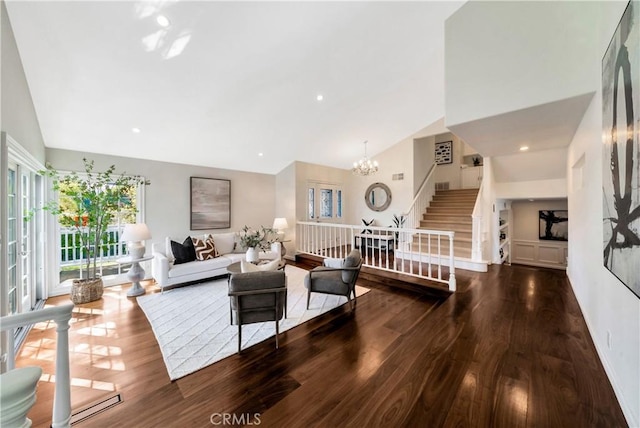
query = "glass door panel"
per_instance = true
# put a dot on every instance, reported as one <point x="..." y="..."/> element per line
<point x="26" y="255"/>
<point x="12" y="244"/>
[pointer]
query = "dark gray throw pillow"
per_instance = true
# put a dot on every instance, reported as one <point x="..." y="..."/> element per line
<point x="184" y="252"/>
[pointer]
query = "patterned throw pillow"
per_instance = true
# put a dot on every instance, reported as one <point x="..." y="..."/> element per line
<point x="205" y="248"/>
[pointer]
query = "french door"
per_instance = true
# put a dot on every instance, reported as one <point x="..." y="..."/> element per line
<point x="24" y="261"/>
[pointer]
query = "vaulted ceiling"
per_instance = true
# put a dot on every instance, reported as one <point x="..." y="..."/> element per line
<point x="232" y="84"/>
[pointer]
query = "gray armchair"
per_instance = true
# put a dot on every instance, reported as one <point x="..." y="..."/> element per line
<point x="335" y="280"/>
<point x="257" y="297"/>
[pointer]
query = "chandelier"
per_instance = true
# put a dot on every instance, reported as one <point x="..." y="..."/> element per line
<point x="365" y="166"/>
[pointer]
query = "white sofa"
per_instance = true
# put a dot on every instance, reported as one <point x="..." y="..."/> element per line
<point x="168" y="274"/>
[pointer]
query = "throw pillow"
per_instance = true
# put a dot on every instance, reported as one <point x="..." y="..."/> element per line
<point x="224" y="242"/>
<point x="333" y="263"/>
<point x="184" y="252"/>
<point x="205" y="248"/>
<point x="250" y="267"/>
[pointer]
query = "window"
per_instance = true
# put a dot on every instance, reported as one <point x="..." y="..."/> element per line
<point x="312" y="203"/>
<point x="328" y="206"/>
<point x="72" y="258"/>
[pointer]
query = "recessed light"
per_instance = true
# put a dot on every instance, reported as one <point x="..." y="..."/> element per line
<point x="135" y="130"/>
<point x="260" y="154"/>
<point x="524" y="148"/>
<point x="163" y="21"/>
<point x="319" y="97"/>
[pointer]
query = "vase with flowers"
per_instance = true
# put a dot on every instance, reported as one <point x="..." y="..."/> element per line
<point x="256" y="240"/>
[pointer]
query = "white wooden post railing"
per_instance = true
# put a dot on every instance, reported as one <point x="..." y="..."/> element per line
<point x="414" y="252"/>
<point x="476" y="227"/>
<point x="61" y="315"/>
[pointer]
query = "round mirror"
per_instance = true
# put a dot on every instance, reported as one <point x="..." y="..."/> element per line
<point x="378" y="197"/>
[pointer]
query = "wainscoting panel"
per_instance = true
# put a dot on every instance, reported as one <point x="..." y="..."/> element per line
<point x="540" y="253"/>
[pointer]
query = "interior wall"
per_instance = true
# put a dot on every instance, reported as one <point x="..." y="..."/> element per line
<point x="610" y="309"/>
<point x="423" y="157"/>
<point x="167" y="199"/>
<point x="450" y="172"/>
<point x="397" y="159"/>
<point x="285" y="205"/>
<point x="526" y="246"/>
<point x="17" y="114"/>
<point x="514" y="72"/>
<point x="306" y="172"/>
<point x="607" y="305"/>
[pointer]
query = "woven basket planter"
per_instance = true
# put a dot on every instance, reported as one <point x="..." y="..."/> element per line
<point x="86" y="290"/>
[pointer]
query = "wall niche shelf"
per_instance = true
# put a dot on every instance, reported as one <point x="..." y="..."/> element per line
<point x="504" y="235"/>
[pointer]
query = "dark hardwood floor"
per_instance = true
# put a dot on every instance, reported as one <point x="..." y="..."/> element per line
<point x="509" y="349"/>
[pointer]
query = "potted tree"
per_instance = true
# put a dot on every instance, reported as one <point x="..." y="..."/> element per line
<point x="88" y="203"/>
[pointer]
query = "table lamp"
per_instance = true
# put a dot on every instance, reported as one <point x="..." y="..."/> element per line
<point x="280" y="224"/>
<point x="135" y="235"/>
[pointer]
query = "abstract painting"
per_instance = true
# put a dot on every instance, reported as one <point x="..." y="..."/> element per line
<point x="554" y="225"/>
<point x="444" y="152"/>
<point x="210" y="203"/>
<point x="621" y="143"/>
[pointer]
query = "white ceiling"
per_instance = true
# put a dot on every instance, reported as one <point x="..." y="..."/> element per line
<point x="229" y="80"/>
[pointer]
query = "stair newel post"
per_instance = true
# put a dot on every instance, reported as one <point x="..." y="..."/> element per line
<point x="62" y="396"/>
<point x="452" y="267"/>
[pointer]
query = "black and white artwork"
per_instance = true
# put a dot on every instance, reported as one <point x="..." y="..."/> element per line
<point x="444" y="152"/>
<point x="210" y="203"/>
<point x="621" y="161"/>
<point x="554" y="225"/>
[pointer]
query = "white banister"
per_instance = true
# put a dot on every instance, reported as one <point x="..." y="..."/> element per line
<point x="421" y="199"/>
<point x="382" y="245"/>
<point x="476" y="226"/>
<point x="61" y="315"/>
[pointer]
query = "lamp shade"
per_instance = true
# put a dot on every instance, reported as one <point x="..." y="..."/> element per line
<point x="280" y="223"/>
<point x="135" y="233"/>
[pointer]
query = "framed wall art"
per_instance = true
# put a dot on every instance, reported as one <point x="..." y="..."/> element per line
<point x="553" y="225"/>
<point x="210" y="203"/>
<point x="444" y="152"/>
<point x="621" y="145"/>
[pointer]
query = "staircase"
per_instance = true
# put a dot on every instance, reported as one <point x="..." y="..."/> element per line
<point x="449" y="210"/>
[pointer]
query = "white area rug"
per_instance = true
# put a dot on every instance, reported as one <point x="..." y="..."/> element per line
<point x="192" y="324"/>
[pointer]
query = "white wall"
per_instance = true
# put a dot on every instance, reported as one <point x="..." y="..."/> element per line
<point x="285" y="205"/>
<point x="18" y="117"/>
<point x="450" y="172"/>
<point x="555" y="188"/>
<point x="526" y="245"/>
<point x="607" y="305"/>
<point x="423" y="157"/>
<point x="488" y="73"/>
<point x="397" y="159"/>
<point x="531" y="166"/>
<point x="168" y="197"/>
<point x="307" y="172"/>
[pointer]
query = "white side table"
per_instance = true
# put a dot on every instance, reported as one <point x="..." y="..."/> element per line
<point x="135" y="274"/>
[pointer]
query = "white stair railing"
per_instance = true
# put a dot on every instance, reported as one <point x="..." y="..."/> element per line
<point x="420" y="202"/>
<point x="416" y="252"/>
<point x="476" y="227"/>
<point x="61" y="316"/>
